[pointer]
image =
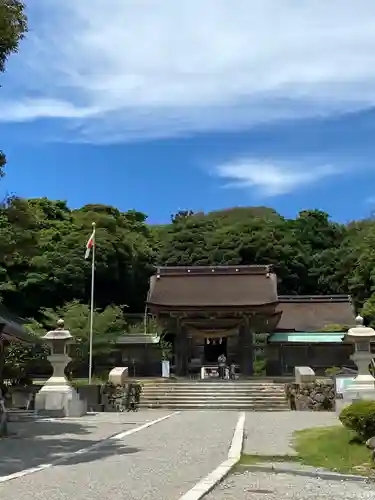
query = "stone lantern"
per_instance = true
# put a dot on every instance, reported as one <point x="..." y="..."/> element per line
<point x="57" y="398"/>
<point x="363" y="386"/>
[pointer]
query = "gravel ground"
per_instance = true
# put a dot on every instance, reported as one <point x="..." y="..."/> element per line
<point x="158" y="463"/>
<point x="42" y="441"/>
<point x="271" y="433"/>
<point x="266" y="486"/>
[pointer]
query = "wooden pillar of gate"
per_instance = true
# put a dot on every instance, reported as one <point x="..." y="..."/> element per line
<point x="246" y="348"/>
<point x="182" y="349"/>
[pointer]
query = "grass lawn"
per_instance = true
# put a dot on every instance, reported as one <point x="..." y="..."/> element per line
<point x="333" y="448"/>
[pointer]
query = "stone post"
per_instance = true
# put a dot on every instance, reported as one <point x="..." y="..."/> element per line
<point x="363" y="386"/>
<point x="57" y="398"/>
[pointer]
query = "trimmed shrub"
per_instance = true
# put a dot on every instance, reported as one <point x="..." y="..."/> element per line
<point x="360" y="417"/>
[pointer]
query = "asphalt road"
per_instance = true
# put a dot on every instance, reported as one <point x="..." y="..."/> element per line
<point x="161" y="462"/>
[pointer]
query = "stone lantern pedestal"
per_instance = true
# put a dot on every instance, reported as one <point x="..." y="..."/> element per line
<point x="363" y="386"/>
<point x="57" y="398"/>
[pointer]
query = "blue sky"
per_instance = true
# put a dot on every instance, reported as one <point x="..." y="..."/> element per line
<point x="164" y="105"/>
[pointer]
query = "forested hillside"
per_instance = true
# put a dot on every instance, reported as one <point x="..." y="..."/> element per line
<point x="42" y="248"/>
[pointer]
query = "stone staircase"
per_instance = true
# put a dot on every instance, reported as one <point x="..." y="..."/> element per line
<point x="16" y="415"/>
<point x="215" y="395"/>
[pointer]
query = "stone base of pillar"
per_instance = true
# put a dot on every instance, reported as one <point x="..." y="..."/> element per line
<point x="362" y="388"/>
<point x="59" y="401"/>
<point x="57" y="398"/>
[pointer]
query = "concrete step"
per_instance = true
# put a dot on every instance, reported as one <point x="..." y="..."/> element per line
<point x="214" y="406"/>
<point x="211" y="388"/>
<point x="15" y="415"/>
<point x="219" y="401"/>
<point x="222" y="397"/>
<point x="203" y="390"/>
<point x="222" y="393"/>
<point x="275" y="397"/>
<point x="215" y="395"/>
<point x="209" y="395"/>
<point x="225" y="393"/>
<point x="215" y="386"/>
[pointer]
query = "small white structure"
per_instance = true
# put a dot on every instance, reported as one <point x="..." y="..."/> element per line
<point x="304" y="375"/>
<point x="57" y="398"/>
<point x="363" y="385"/>
<point x="118" y="375"/>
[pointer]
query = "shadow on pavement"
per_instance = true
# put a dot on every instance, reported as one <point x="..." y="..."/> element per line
<point x="34" y="443"/>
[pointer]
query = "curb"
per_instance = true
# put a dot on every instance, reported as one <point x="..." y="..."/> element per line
<point x="216" y="476"/>
<point x="333" y="476"/>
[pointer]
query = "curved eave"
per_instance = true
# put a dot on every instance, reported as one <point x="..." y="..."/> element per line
<point x="14" y="332"/>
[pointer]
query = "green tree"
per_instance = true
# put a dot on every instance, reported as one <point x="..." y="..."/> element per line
<point x="42" y="256"/>
<point x="13" y="26"/>
<point x="368" y="311"/>
<point x="108" y="325"/>
<point x="300" y="250"/>
<point x="18" y="244"/>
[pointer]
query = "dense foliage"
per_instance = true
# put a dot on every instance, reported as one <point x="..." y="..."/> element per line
<point x="360" y="418"/>
<point x="13" y="25"/>
<point x="42" y="244"/>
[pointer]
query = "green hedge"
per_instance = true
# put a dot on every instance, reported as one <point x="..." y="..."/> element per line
<point x="360" y="417"/>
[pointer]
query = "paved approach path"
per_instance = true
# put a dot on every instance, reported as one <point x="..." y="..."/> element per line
<point x="267" y="486"/>
<point x="271" y="433"/>
<point x="160" y="462"/>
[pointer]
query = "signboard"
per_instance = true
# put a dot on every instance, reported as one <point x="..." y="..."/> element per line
<point x="209" y="372"/>
<point x="165" y="369"/>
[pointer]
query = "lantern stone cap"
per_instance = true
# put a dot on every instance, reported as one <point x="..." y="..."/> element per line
<point x="360" y="331"/>
<point x="59" y="333"/>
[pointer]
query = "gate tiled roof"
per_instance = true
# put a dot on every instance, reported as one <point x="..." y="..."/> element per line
<point x="245" y="287"/>
<point x="216" y="286"/>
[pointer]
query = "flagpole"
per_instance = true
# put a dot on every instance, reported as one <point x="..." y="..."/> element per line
<point x="92" y="303"/>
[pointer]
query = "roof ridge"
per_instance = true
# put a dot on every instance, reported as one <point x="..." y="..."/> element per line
<point x="315" y="298"/>
<point x="208" y="270"/>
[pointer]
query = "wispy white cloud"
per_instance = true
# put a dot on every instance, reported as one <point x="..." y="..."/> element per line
<point x="127" y="69"/>
<point x="269" y="178"/>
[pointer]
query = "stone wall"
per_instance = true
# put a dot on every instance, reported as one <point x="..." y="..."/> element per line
<point x="315" y="396"/>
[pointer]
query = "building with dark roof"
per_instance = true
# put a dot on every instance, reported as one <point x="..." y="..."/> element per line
<point x="12" y="327"/>
<point x="221" y="309"/>
<point x="309" y="313"/>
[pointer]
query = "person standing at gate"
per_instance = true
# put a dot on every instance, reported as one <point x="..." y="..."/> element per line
<point x="222" y="362"/>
